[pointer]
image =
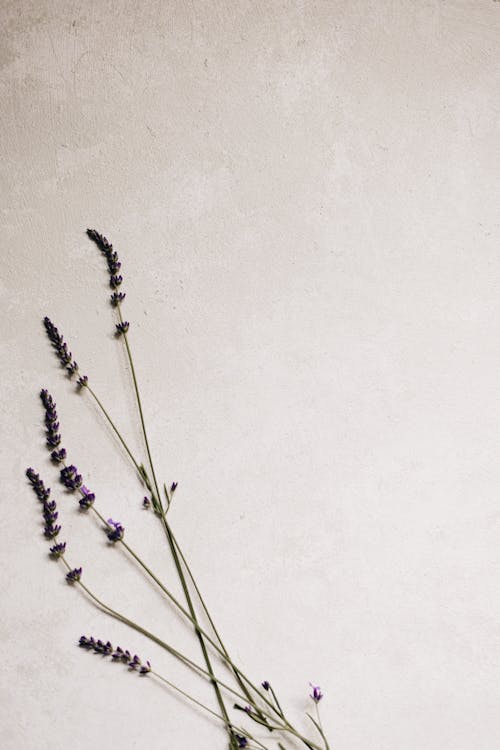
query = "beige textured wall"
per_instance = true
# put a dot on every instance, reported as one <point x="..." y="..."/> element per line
<point x="304" y="196"/>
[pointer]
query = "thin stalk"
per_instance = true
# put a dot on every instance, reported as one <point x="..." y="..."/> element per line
<point x="113" y="426"/>
<point x="288" y="727"/>
<point x="180" y="573"/>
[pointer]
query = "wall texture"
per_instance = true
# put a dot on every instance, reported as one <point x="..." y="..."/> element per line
<point x="304" y="197"/>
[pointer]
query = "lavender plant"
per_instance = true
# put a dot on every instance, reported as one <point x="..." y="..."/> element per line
<point x="236" y="696"/>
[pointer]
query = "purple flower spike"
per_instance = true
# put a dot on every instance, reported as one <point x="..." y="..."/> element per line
<point x="49" y="509"/>
<point x="83" y="381"/>
<point x="173" y="487"/>
<point x="266" y="685"/>
<point x="61" y="348"/>
<point x="74" y="575"/>
<point x="115" y="534"/>
<point x="122" y="327"/>
<point x="316" y="694"/>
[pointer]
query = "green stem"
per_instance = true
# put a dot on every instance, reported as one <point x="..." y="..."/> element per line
<point x="180" y="574"/>
<point x="113" y="426"/>
<point x="139" y="405"/>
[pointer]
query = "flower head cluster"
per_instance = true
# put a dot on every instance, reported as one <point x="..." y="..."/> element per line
<point x="74" y="575"/>
<point x="117" y="654"/>
<point x="61" y="348"/>
<point x="49" y="510"/>
<point x="114" y="265"/>
<point x="316" y="693"/>
<point x="87" y="498"/>
<point x="52" y="425"/>
<point x="71" y="478"/>
<point x="114" y="530"/>
<point x="122" y="327"/>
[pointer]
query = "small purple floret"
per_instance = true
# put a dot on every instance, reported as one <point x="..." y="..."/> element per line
<point x="266" y="685"/>
<point x="316" y="694"/>
<point x="87" y="499"/>
<point x="115" y="534"/>
<point x="122" y="327"/>
<point x="74" y="575"/>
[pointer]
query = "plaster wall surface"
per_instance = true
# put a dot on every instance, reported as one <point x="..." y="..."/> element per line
<point x="305" y="200"/>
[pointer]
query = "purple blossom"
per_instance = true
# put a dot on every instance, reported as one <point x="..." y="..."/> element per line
<point x="241" y="740"/>
<point x="266" y="685"/>
<point x="316" y="694"/>
<point x="71" y="478"/>
<point x="87" y="498"/>
<point x="146" y="503"/>
<point x="173" y="486"/>
<point x="117" y="654"/>
<point x="49" y="509"/>
<point x="58" y="456"/>
<point x="61" y="348"/>
<point x="117" y="297"/>
<point x="74" y="575"/>
<point x="122" y="327"/>
<point x="115" y="534"/>
<point x="58" y="550"/>
<point x="83" y="381"/>
<point x="115" y="281"/>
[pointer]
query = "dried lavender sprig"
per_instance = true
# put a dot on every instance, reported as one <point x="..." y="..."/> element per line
<point x="61" y="348"/>
<point x="114" y="265"/>
<point x="135" y="664"/>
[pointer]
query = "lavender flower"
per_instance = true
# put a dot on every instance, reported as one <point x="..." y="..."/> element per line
<point x="74" y="575"/>
<point x="83" y="381"/>
<point x="87" y="499"/>
<point x="70" y="477"/>
<point x="58" y="550"/>
<point x="63" y="354"/>
<point x="146" y="503"/>
<point x="116" y="533"/>
<point x="242" y="741"/>
<point x="117" y="654"/>
<point x="49" y="510"/>
<point x="114" y="264"/>
<point x="51" y="423"/>
<point x="58" y="456"/>
<point x="173" y="487"/>
<point x="122" y="327"/>
<point x="316" y="694"/>
<point x="266" y="685"/>
<point x="116" y="298"/>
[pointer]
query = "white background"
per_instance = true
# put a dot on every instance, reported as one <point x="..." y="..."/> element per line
<point x="304" y="197"/>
